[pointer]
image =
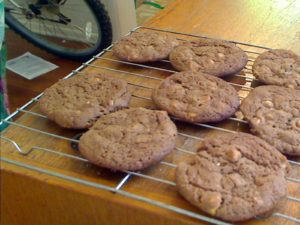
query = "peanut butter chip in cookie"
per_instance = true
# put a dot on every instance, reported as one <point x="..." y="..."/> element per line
<point x="136" y="127"/>
<point x="211" y="201"/>
<point x="256" y="120"/>
<point x="192" y="115"/>
<point x="193" y="65"/>
<point x="237" y="179"/>
<point x="175" y="104"/>
<point x="233" y="155"/>
<point x="269" y="116"/>
<point x="204" y="98"/>
<point x="111" y="102"/>
<point x="239" y="115"/>
<point x="290" y="86"/>
<point x="268" y="104"/>
<point x="298" y="123"/>
<point x="211" y="61"/>
<point x="258" y="201"/>
<point x="221" y="55"/>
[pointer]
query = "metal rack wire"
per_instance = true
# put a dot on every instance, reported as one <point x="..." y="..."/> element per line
<point x="247" y="76"/>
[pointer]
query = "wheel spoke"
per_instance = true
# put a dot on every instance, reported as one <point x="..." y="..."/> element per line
<point x="55" y="31"/>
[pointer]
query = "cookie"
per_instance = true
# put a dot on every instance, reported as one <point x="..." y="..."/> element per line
<point x="234" y="177"/>
<point x="144" y="47"/>
<point x="196" y="97"/>
<point x="130" y="139"/>
<point x="80" y="100"/>
<point x="214" y="57"/>
<point x="273" y="113"/>
<point x="278" y="67"/>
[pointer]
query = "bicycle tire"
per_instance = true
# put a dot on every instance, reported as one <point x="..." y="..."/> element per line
<point x="103" y="23"/>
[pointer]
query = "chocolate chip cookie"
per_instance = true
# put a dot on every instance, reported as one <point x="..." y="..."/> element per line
<point x="196" y="97"/>
<point x="214" y="57"/>
<point x="234" y="177"/>
<point x="80" y="100"/>
<point x="130" y="139"/>
<point x="278" y="67"/>
<point x="274" y="115"/>
<point x="144" y="47"/>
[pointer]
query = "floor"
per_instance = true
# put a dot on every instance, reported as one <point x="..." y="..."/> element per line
<point x="21" y="90"/>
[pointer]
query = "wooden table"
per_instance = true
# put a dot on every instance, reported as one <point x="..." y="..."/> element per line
<point x="43" y="187"/>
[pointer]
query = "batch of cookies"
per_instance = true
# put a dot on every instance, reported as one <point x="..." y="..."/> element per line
<point x="232" y="176"/>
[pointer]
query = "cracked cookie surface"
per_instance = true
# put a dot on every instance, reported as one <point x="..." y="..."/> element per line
<point x="273" y="113"/>
<point x="80" y="100"/>
<point x="130" y="139"/>
<point x="196" y="97"/>
<point x="233" y="177"/>
<point x="214" y="57"/>
<point x="278" y="67"/>
<point x="144" y="46"/>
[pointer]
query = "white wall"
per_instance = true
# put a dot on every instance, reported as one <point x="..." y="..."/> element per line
<point x="123" y="16"/>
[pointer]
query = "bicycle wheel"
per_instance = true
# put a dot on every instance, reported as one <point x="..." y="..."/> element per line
<point x="71" y="29"/>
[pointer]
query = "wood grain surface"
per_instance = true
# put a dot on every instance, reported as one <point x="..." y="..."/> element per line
<point x="20" y="90"/>
<point x="33" y="197"/>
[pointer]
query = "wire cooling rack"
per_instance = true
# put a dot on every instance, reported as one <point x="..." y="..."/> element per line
<point x="147" y="78"/>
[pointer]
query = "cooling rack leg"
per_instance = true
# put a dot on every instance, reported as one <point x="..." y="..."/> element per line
<point x="16" y="146"/>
